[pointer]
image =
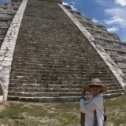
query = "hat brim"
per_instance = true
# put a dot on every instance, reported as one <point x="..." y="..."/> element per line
<point x="87" y="87"/>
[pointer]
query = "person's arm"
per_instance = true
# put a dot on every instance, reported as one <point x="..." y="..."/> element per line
<point x="95" y="103"/>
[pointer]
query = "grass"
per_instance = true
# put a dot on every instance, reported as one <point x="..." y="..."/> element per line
<point x="116" y="111"/>
<point x="57" y="114"/>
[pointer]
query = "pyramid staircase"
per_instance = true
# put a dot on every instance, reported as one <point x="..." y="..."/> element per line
<point x="53" y="58"/>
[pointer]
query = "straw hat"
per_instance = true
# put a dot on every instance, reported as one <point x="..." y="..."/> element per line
<point x="96" y="82"/>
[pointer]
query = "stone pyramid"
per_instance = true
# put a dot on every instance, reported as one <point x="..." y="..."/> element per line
<point x="57" y="51"/>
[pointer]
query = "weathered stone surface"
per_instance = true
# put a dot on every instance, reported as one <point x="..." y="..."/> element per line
<point x="7" y="46"/>
<point x="53" y="59"/>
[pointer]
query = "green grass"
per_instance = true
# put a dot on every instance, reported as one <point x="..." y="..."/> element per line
<point x="116" y="111"/>
<point x="57" y="114"/>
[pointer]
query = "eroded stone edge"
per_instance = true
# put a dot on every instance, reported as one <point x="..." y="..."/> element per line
<point x="8" y="47"/>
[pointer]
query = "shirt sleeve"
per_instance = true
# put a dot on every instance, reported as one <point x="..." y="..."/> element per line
<point x="86" y="107"/>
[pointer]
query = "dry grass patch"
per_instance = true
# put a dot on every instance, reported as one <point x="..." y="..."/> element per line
<point x="57" y="114"/>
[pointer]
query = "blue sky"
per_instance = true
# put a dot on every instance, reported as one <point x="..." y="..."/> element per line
<point x="110" y="13"/>
<point x="4" y="1"/>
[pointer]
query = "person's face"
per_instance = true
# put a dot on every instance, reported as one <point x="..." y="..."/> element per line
<point x="94" y="90"/>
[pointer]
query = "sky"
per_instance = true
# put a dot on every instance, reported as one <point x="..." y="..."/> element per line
<point x="4" y="1"/>
<point x="110" y="13"/>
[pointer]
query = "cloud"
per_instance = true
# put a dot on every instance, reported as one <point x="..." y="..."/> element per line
<point x="64" y="3"/>
<point x="117" y="17"/>
<point x="113" y="29"/>
<point x="72" y="4"/>
<point x="95" y="20"/>
<point x="121" y="2"/>
<point x="116" y="11"/>
<point x="115" y="20"/>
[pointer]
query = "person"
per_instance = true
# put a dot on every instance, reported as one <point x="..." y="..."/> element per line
<point x="1" y="93"/>
<point x="94" y="108"/>
<point x="83" y="93"/>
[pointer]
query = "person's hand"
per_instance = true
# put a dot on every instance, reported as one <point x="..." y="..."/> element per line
<point x="83" y="91"/>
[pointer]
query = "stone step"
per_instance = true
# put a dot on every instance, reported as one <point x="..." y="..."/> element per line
<point x="5" y="18"/>
<point x="50" y="58"/>
<point x="118" y="58"/>
<point x="76" y="85"/>
<point x="118" y="50"/>
<point x="97" y="30"/>
<point x="112" y="44"/>
<point x="107" y="40"/>
<point x="43" y="89"/>
<point x="58" y="74"/>
<point x="30" y="56"/>
<point x="45" y="99"/>
<point x="1" y="39"/>
<point x="0" y="42"/>
<point x="109" y="45"/>
<point x="113" y="95"/>
<point x="55" y="99"/>
<point x="112" y="87"/>
<point x="67" y="7"/>
<point x="115" y="91"/>
<point x="3" y="31"/>
<point x="56" y="89"/>
<point x="104" y="35"/>
<point x="8" y="12"/>
<point x="75" y="13"/>
<point x="124" y="70"/>
<point x="47" y="94"/>
<point x="69" y="66"/>
<point x="91" y="25"/>
<point x="40" y="71"/>
<point x="52" y="65"/>
<point x="9" y="6"/>
<point x="125" y="74"/>
<point x="60" y="85"/>
<point x="4" y="25"/>
<point x="47" y="85"/>
<point x="25" y="73"/>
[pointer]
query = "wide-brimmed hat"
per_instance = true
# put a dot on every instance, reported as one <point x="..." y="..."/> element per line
<point x="95" y="82"/>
